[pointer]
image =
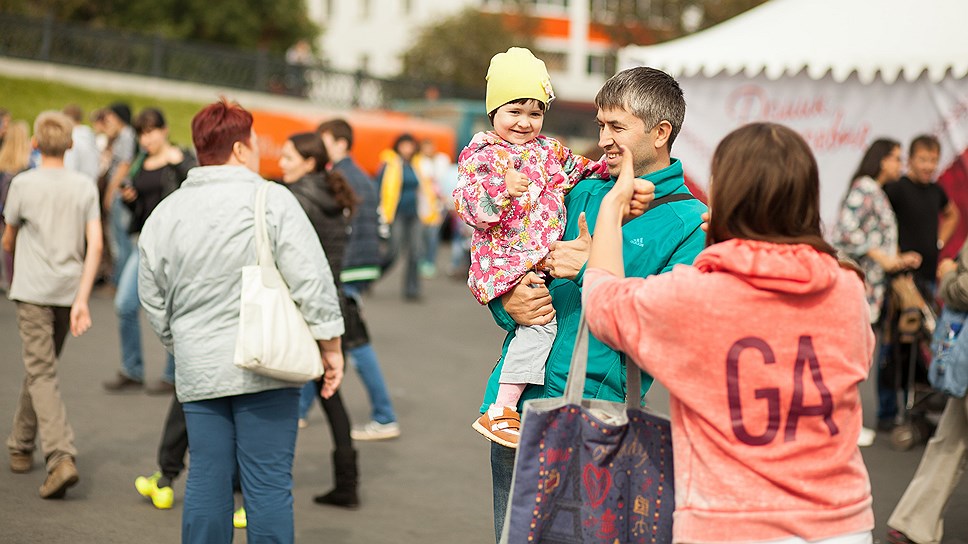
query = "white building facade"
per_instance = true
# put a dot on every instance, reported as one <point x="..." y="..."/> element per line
<point x="372" y="35"/>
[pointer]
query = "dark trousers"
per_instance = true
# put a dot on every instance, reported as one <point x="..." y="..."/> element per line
<point x="174" y="441"/>
<point x="339" y="420"/>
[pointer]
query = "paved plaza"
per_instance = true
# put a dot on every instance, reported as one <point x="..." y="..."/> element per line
<point x="432" y="485"/>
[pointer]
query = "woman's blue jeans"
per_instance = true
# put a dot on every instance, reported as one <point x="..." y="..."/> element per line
<point x="128" y="305"/>
<point x="256" y="434"/>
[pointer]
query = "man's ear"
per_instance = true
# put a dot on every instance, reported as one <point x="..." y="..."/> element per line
<point x="663" y="133"/>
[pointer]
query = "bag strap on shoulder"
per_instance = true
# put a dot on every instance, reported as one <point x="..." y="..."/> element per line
<point x="676" y="197"/>
<point x="263" y="250"/>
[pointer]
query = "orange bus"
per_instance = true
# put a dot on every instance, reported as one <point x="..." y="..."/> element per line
<point x="372" y="133"/>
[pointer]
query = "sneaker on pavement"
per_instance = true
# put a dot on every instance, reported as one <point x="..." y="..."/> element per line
<point x="63" y="475"/>
<point x="147" y="484"/>
<point x="500" y="424"/>
<point x="866" y="437"/>
<point x="238" y="519"/>
<point x="427" y="270"/>
<point x="897" y="537"/>
<point x="21" y="462"/>
<point x="374" y="430"/>
<point x="161" y="497"/>
<point x="122" y="383"/>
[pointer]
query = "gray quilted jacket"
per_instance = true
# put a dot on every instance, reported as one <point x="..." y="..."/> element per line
<point x="193" y="248"/>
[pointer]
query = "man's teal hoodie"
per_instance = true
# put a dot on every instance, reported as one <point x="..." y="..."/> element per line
<point x="667" y="235"/>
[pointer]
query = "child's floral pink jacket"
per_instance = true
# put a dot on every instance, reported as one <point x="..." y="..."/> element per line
<point x="512" y="235"/>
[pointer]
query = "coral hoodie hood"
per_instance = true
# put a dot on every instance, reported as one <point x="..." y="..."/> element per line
<point x="795" y="269"/>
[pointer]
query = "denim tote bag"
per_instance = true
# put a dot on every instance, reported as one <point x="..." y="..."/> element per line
<point x="948" y="372"/>
<point x="591" y="470"/>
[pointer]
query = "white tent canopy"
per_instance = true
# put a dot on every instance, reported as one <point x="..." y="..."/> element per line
<point x="898" y="38"/>
<point x="842" y="73"/>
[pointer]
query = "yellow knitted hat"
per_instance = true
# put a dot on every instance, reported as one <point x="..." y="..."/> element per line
<point x="514" y="75"/>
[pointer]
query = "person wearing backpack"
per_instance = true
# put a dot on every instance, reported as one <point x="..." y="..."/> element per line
<point x="919" y="515"/>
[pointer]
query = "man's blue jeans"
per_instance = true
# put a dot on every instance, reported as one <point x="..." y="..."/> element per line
<point x="128" y="305"/>
<point x="502" y="469"/>
<point x="256" y="434"/>
<point x="367" y="366"/>
<point x="121" y="246"/>
<point x="407" y="234"/>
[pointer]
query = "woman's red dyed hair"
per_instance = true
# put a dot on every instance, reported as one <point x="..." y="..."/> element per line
<point x="216" y="128"/>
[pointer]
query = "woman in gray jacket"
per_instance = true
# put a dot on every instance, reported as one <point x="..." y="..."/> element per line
<point x="193" y="248"/>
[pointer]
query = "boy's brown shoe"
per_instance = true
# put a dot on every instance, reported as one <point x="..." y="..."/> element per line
<point x="122" y="383"/>
<point x="63" y="476"/>
<point x="21" y="462"/>
<point x="500" y="424"/>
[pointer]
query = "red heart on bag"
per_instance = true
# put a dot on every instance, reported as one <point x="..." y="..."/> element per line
<point x="554" y="478"/>
<point x="598" y="481"/>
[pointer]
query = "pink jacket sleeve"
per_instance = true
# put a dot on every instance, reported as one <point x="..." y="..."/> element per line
<point x="577" y="167"/>
<point x="481" y="198"/>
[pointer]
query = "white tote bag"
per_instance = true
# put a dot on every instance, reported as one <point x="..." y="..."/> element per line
<point x="274" y="339"/>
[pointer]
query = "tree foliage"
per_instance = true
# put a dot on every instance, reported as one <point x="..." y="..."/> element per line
<point x="721" y="10"/>
<point x="646" y="22"/>
<point x="274" y="25"/>
<point x="456" y="51"/>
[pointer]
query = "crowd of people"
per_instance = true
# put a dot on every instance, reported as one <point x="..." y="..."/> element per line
<point x="550" y="236"/>
<point x="134" y="194"/>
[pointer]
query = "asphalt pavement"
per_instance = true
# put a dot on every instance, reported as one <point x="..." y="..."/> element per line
<point x="431" y="485"/>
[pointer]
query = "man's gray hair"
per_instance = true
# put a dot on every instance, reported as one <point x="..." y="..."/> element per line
<point x="651" y="95"/>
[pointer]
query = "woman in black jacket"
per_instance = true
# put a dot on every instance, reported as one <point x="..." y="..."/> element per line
<point x="155" y="173"/>
<point x="328" y="201"/>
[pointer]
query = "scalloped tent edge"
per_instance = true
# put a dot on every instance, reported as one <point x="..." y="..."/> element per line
<point x="819" y="37"/>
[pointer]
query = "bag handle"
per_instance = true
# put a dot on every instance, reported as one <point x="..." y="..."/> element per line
<point x="263" y="250"/>
<point x="575" y="386"/>
<point x="579" y="357"/>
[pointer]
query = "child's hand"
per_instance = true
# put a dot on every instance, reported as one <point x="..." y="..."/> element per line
<point x="516" y="182"/>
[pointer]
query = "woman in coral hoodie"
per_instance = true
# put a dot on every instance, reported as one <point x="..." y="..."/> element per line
<point x="761" y="345"/>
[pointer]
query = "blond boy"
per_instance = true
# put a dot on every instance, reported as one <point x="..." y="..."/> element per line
<point x="54" y="233"/>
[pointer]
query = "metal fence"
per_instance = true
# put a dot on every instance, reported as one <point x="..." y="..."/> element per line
<point x="115" y="50"/>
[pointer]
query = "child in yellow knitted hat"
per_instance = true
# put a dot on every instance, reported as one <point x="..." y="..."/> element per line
<point x="511" y="187"/>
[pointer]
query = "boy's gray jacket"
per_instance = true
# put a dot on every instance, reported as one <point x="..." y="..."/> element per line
<point x="192" y="250"/>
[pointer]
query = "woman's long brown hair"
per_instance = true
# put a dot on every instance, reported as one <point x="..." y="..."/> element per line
<point x="310" y="145"/>
<point x="766" y="186"/>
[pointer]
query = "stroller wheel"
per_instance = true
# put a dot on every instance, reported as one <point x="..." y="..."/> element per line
<point x="904" y="436"/>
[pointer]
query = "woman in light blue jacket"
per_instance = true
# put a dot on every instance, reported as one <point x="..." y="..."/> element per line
<point x="193" y="248"/>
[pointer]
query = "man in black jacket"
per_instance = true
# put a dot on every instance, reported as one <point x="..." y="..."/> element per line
<point x="361" y="266"/>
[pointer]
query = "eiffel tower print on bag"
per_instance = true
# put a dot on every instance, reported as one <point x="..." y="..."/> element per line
<point x="591" y="470"/>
